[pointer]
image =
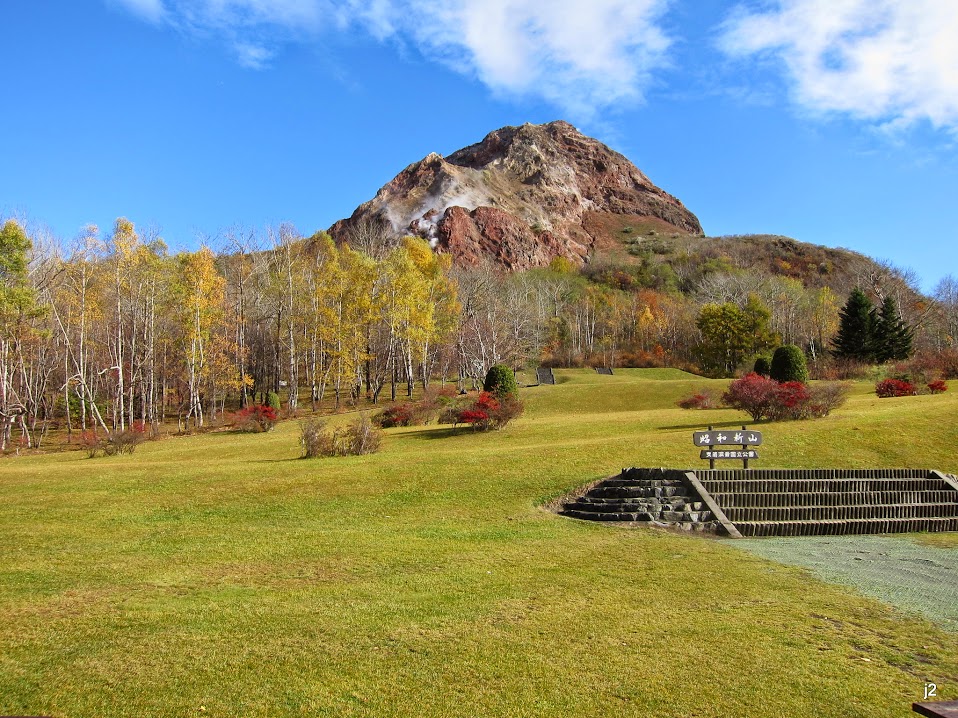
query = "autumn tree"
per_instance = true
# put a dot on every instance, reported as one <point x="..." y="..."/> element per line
<point x="17" y="302"/>
<point x="199" y="295"/>
<point x="946" y="300"/>
<point x="725" y="338"/>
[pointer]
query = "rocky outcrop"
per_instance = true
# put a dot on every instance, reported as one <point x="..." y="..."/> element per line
<point x="521" y="197"/>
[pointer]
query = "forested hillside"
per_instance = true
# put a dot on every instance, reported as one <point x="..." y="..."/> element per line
<point x="114" y="331"/>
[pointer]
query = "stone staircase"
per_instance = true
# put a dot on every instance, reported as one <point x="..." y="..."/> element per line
<point x="544" y="375"/>
<point x="776" y="502"/>
<point x="816" y="502"/>
<point x="657" y="496"/>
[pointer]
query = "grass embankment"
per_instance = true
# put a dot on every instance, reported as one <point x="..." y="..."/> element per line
<point x="220" y="575"/>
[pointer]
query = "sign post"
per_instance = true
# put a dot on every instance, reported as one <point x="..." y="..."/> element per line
<point x="711" y="438"/>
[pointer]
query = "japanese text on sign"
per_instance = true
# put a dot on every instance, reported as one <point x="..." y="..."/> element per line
<point x="727" y="438"/>
<point x="728" y="454"/>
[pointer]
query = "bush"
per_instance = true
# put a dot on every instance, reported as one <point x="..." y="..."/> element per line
<point x="315" y="440"/>
<point x="419" y="412"/>
<point x="486" y="412"/>
<point x="119" y="442"/>
<point x="450" y="414"/>
<point x="509" y="408"/>
<point x="362" y="437"/>
<point x="255" y="419"/>
<point x="272" y="401"/>
<point x="924" y="368"/>
<point x="937" y="387"/>
<point x="842" y="369"/>
<point x="357" y="438"/>
<point x="894" y="387"/>
<point x="763" y="366"/>
<point x="789" y="364"/>
<point x="752" y="394"/>
<point x="501" y="381"/>
<point x="826" y="396"/>
<point x="700" y="400"/>
<point x="480" y="412"/>
<point x="395" y="415"/>
<point x="763" y="398"/>
<point x="790" y="401"/>
<point x="90" y="443"/>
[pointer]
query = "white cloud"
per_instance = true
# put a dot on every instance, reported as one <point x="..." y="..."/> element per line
<point x="579" y="55"/>
<point x="890" y="61"/>
<point x="252" y="56"/>
<point x="575" y="54"/>
<point x="150" y="10"/>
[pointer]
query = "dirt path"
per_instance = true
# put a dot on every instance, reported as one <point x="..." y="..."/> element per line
<point x="897" y="570"/>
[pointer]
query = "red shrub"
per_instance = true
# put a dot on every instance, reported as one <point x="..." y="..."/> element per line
<point x="255" y="418"/>
<point x="487" y="401"/>
<point x="790" y="401"/>
<point x="927" y="366"/>
<point x="764" y="398"/>
<point x="937" y="387"/>
<point x="396" y="415"/>
<point x="473" y="416"/>
<point x="701" y="400"/>
<point x="753" y="394"/>
<point x="894" y="387"/>
<point x="488" y="412"/>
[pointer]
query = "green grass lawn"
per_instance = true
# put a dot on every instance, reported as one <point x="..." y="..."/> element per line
<point x="220" y="575"/>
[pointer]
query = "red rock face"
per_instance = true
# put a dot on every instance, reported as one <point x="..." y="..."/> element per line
<point x="521" y="197"/>
<point x="491" y="233"/>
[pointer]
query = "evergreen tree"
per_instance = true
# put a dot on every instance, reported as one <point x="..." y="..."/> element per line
<point x="891" y="338"/>
<point x="789" y="364"/>
<point x="856" y="328"/>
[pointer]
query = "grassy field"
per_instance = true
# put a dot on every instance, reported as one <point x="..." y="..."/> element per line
<point x="220" y="575"/>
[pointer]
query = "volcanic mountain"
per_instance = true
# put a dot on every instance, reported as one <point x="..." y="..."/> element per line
<point x="521" y="197"/>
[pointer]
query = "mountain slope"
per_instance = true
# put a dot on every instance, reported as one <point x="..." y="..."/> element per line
<point x="521" y="197"/>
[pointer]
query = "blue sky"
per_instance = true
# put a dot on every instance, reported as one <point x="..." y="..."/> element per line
<point x="831" y="121"/>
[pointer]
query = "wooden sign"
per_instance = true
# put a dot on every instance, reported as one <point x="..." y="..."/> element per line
<point x="724" y="437"/>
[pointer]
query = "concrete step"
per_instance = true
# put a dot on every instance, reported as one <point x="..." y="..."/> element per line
<point x="641" y="481"/>
<point x="828" y="513"/>
<point x="839" y="527"/>
<point x="817" y="474"/>
<point x="607" y="516"/>
<point x="835" y="498"/>
<point x="625" y="492"/>
<point x="808" y="486"/>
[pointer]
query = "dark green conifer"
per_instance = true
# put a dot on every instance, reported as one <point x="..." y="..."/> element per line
<point x="856" y="328"/>
<point x="891" y="337"/>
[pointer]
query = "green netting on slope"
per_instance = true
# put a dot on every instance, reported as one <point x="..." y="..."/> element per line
<point x="900" y="572"/>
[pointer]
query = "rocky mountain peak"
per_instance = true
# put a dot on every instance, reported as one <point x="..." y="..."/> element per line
<point x="521" y="196"/>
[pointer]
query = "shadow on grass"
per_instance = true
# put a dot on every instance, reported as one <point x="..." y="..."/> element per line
<point x="702" y="425"/>
<point x="438" y="433"/>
